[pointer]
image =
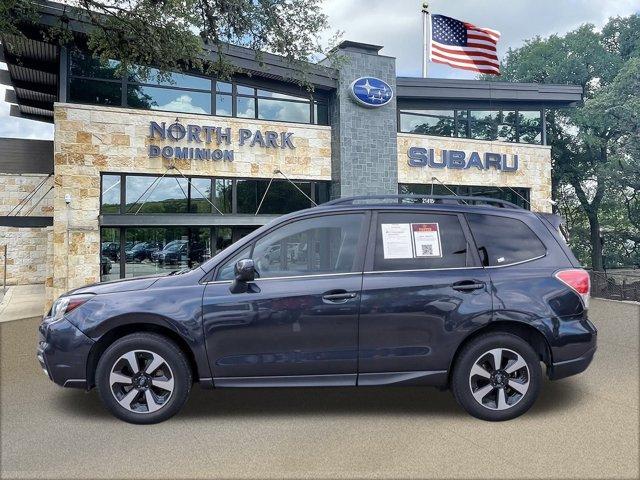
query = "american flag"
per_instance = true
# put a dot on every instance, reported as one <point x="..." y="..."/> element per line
<point x="463" y="45"/>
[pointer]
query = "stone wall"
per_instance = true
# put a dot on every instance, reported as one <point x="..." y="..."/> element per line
<point x="92" y="139"/>
<point x="26" y="247"/>
<point x="534" y="169"/>
<point x="364" y="139"/>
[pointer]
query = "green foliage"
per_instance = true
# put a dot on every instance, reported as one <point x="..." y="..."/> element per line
<point x="596" y="146"/>
<point x="172" y="35"/>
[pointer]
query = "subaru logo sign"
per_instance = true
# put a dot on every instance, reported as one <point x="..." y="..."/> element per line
<point x="371" y="92"/>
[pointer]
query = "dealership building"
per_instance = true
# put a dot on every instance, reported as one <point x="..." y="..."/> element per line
<point x="147" y="175"/>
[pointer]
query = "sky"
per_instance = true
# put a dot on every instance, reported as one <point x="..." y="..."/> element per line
<point x="397" y="25"/>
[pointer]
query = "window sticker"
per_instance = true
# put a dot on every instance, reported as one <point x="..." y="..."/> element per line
<point x="396" y="240"/>
<point x="426" y="238"/>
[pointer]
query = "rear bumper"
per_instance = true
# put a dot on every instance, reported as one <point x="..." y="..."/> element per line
<point x="574" y="366"/>
<point x="575" y="346"/>
<point x="62" y="352"/>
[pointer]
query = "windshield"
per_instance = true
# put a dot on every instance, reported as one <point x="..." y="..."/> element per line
<point x="173" y="248"/>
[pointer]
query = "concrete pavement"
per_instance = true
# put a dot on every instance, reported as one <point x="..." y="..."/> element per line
<point x="22" y="301"/>
<point x="582" y="427"/>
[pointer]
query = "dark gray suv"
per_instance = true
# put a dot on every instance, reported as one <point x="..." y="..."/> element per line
<point x="467" y="293"/>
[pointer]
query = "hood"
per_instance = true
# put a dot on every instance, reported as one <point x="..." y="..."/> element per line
<point x="116" y="286"/>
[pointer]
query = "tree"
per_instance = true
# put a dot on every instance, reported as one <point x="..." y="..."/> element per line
<point x="172" y="35"/>
<point x="592" y="145"/>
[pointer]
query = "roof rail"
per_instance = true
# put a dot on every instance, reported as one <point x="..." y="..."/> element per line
<point x="438" y="199"/>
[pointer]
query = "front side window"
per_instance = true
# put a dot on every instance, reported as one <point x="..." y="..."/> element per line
<point x="503" y="240"/>
<point x="417" y="241"/>
<point x="321" y="245"/>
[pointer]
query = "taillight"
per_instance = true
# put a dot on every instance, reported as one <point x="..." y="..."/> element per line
<point x="578" y="280"/>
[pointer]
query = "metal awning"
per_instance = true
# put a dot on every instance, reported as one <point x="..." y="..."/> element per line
<point x="33" y="73"/>
<point x="468" y="93"/>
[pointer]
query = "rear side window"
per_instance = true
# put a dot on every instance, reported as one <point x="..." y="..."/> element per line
<point x="414" y="241"/>
<point x="504" y="241"/>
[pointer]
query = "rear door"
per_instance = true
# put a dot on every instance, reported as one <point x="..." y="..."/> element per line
<point x="423" y="291"/>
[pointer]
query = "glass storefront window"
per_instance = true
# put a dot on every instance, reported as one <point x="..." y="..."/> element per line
<point x="321" y="113"/>
<point x="92" y="81"/>
<point x="151" y="251"/>
<point x="156" y="195"/>
<point x="517" y="195"/>
<point x="200" y="195"/>
<point x="323" y="192"/>
<point x="224" y="105"/>
<point x="109" y="254"/>
<point x="247" y="193"/>
<point x="83" y="64"/>
<point x="282" y="197"/>
<point x="530" y="127"/>
<point x="503" y="125"/>
<point x="483" y="125"/>
<point x="246" y="107"/>
<point x="462" y="121"/>
<point x="95" y="92"/>
<point x="428" y="122"/>
<point x="285" y="111"/>
<point x="224" y="87"/>
<point x="223" y="238"/>
<point x="222" y="195"/>
<point x="157" y="98"/>
<point x="242" y="90"/>
<point x="149" y="194"/>
<point x="110" y="202"/>
<point x="152" y="75"/>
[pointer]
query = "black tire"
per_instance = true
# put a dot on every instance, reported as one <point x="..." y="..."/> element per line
<point x="174" y="358"/>
<point x="461" y="377"/>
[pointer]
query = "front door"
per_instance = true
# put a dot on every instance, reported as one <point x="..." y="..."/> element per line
<point x="298" y="321"/>
<point x="423" y="288"/>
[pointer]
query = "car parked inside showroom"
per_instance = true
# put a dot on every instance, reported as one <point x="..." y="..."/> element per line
<point x="466" y="293"/>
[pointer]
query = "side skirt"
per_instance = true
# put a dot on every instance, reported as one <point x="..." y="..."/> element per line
<point x="437" y="378"/>
<point x="434" y="378"/>
<point x="345" y="380"/>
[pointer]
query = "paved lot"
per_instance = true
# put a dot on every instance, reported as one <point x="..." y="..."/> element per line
<point x="582" y="427"/>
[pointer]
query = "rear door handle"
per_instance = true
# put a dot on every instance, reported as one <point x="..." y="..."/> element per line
<point x="339" y="296"/>
<point x="468" y="285"/>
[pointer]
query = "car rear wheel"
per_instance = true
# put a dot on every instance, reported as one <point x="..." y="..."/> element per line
<point x="497" y="377"/>
<point x="143" y="378"/>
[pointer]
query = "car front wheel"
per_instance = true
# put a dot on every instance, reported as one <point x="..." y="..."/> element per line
<point x="143" y="378"/>
<point x="497" y="377"/>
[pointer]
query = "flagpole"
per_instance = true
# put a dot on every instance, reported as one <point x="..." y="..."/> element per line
<point x="426" y="37"/>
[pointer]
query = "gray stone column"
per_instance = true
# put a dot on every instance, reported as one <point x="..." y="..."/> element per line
<point x="363" y="140"/>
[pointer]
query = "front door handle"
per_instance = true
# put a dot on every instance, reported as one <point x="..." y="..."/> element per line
<point x="468" y="285"/>
<point x="338" y="296"/>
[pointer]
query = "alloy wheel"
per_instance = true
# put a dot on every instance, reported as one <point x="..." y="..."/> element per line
<point x="141" y="381"/>
<point x="499" y="379"/>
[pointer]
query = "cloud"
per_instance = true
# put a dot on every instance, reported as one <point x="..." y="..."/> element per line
<point x="183" y="103"/>
<point x="398" y="25"/>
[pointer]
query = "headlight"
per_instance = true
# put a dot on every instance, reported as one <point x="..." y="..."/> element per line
<point x="64" y="305"/>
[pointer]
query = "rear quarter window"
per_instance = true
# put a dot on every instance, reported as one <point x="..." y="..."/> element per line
<point x="503" y="240"/>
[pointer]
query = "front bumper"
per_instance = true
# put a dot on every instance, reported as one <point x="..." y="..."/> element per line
<point x="62" y="352"/>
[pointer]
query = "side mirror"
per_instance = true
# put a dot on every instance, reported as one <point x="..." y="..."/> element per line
<point x="244" y="272"/>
